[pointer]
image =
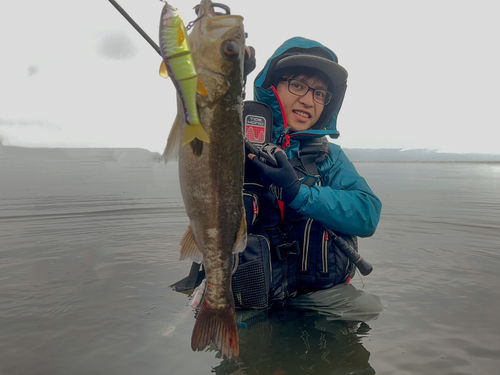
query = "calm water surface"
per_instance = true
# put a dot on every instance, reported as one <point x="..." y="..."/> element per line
<point x="89" y="246"/>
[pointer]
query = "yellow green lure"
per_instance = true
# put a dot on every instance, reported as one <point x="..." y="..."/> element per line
<point x="179" y="65"/>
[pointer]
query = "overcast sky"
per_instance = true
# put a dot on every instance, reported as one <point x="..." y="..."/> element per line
<point x="422" y="74"/>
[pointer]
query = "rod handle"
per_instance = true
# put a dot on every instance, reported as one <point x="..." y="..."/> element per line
<point x="363" y="266"/>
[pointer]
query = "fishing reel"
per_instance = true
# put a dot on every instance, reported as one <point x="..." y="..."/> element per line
<point x="265" y="152"/>
<point x="258" y="126"/>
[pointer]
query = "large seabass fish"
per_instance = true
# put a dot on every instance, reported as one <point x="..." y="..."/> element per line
<point x="211" y="173"/>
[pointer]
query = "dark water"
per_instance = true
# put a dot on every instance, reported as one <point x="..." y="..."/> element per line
<point x="89" y="245"/>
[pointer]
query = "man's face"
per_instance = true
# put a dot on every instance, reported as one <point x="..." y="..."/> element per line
<point x="301" y="112"/>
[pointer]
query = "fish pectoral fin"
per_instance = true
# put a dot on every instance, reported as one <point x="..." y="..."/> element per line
<point x="200" y="89"/>
<point x="163" y="70"/>
<point x="194" y="131"/>
<point x="172" y="148"/>
<point x="189" y="249"/>
<point x="241" y="238"/>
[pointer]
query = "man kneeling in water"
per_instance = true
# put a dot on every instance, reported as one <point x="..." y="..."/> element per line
<point x="313" y="195"/>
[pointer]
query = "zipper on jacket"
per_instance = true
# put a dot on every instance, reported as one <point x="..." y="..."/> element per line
<point x="346" y="278"/>
<point x="286" y="142"/>
<point x="305" y="246"/>
<point x="324" y="251"/>
<point x="269" y="257"/>
<point x="255" y="204"/>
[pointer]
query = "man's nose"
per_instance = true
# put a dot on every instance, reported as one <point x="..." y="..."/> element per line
<point x="307" y="98"/>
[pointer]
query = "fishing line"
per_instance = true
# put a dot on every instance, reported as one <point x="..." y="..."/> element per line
<point x="359" y="275"/>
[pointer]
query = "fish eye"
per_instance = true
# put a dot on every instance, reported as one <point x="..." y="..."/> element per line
<point x="230" y="49"/>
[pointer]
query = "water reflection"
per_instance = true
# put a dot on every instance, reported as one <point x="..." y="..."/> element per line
<point x="287" y="341"/>
<point x="89" y="243"/>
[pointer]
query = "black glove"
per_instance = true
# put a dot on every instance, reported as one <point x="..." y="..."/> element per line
<point x="282" y="181"/>
<point x="250" y="63"/>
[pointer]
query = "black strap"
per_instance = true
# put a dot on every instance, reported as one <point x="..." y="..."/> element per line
<point x="309" y="162"/>
<point x="287" y="249"/>
<point x="191" y="281"/>
<point x="312" y="152"/>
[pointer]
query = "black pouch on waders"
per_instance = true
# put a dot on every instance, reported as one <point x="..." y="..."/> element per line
<point x="252" y="280"/>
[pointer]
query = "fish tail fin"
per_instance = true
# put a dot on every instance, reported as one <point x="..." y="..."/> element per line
<point x="217" y="326"/>
<point x="192" y="132"/>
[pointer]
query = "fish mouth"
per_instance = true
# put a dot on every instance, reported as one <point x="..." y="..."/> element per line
<point x="207" y="11"/>
<point x="210" y="31"/>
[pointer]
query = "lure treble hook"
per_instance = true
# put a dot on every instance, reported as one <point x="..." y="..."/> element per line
<point x="198" y="7"/>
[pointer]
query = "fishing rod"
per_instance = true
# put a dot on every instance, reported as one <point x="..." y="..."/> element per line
<point x="151" y="42"/>
<point x="136" y="26"/>
<point x="363" y="266"/>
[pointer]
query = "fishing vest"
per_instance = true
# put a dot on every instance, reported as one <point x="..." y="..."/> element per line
<point x="287" y="254"/>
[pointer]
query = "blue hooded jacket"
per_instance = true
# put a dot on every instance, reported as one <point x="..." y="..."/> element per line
<point x="344" y="203"/>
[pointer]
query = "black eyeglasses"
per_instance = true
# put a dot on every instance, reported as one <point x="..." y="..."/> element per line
<point x="300" y="88"/>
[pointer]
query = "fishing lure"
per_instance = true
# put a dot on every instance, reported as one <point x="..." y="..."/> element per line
<point x="178" y="64"/>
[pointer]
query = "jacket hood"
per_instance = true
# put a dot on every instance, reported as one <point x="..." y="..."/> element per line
<point x="300" y="51"/>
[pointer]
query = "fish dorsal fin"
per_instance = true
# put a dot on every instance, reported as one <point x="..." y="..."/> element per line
<point x="172" y="148"/>
<point x="189" y="249"/>
<point x="163" y="70"/>
<point x="200" y="89"/>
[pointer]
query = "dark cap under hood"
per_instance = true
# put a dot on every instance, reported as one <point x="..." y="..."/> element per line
<point x="304" y="52"/>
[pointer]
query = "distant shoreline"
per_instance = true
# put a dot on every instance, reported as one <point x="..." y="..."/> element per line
<point x="427" y="161"/>
<point x="388" y="155"/>
<point x="416" y="155"/>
